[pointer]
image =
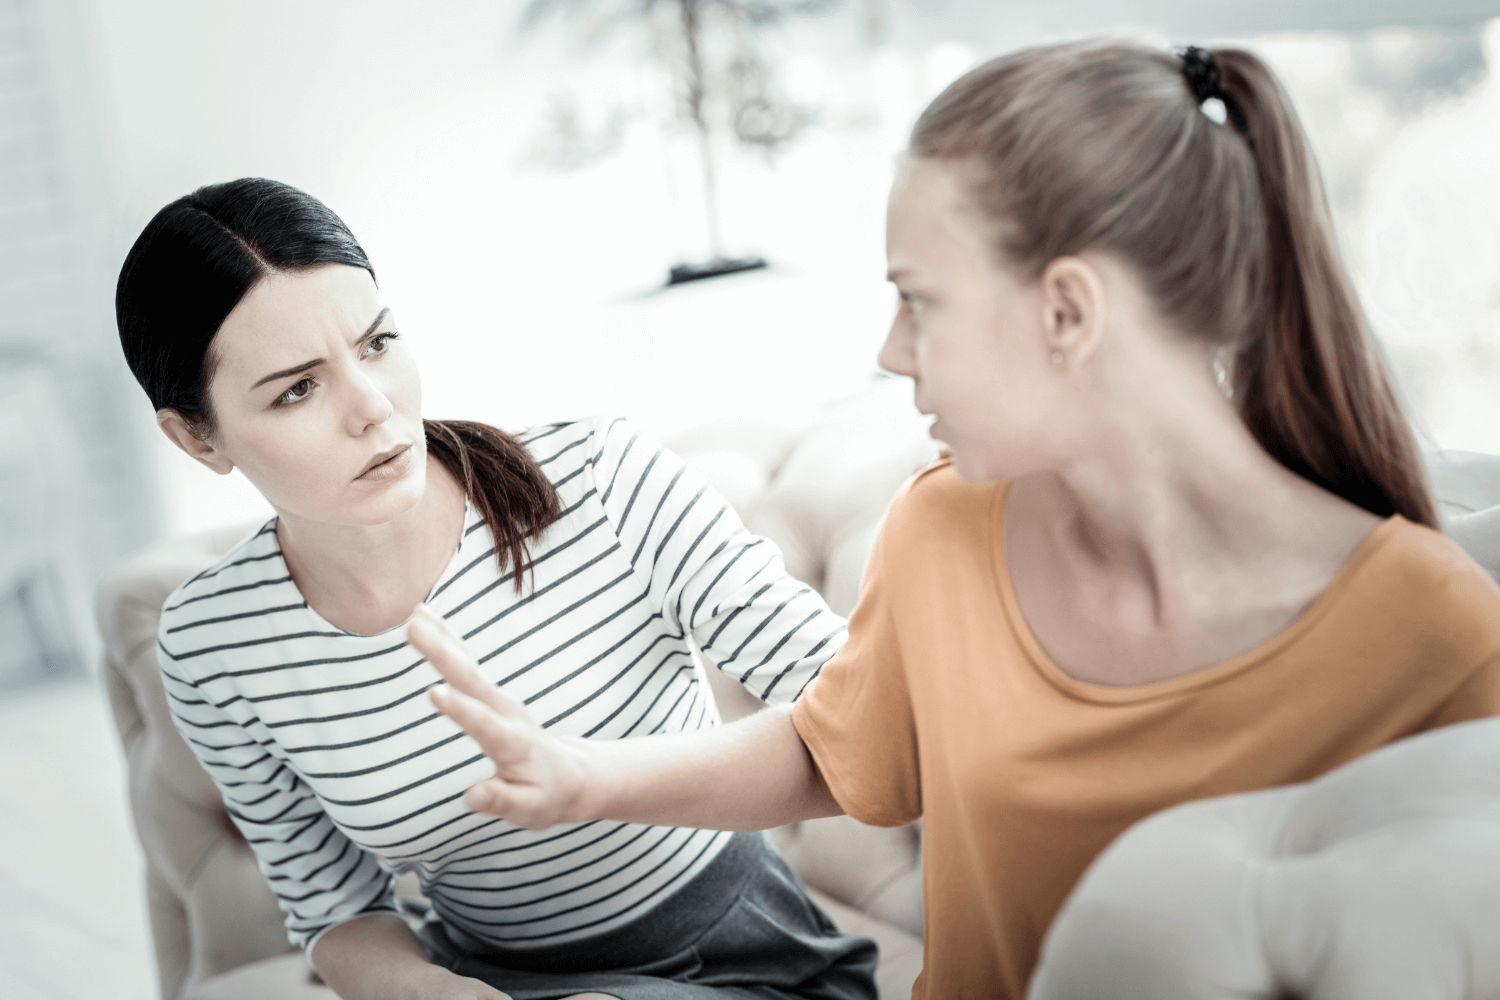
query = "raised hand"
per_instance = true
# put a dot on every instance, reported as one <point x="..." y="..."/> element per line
<point x="539" y="779"/>
<point x="697" y="779"/>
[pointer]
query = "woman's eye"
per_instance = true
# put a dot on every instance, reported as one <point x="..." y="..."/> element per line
<point x="298" y="391"/>
<point x="379" y="343"/>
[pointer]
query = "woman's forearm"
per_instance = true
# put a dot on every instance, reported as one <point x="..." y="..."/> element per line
<point x="375" y="958"/>
<point x="750" y="775"/>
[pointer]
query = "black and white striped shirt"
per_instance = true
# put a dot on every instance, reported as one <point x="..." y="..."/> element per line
<point x="337" y="770"/>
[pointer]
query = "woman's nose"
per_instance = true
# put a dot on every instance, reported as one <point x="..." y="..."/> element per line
<point x="896" y="353"/>
<point x="370" y="405"/>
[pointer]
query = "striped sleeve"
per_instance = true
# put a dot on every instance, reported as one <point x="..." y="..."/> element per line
<point x="319" y="876"/>
<point x="706" y="573"/>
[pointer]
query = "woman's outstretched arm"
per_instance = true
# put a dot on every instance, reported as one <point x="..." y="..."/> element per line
<point x="750" y="775"/>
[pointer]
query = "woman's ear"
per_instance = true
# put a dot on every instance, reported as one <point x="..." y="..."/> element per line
<point x="1073" y="310"/>
<point x="180" y="433"/>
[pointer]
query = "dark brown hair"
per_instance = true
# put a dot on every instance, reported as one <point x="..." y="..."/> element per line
<point x="1092" y="146"/>
<point x="502" y="481"/>
<point x="202" y="253"/>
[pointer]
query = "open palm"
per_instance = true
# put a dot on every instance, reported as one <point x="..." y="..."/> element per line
<point x="539" y="778"/>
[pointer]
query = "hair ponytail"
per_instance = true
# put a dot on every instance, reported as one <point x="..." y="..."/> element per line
<point x="1103" y="146"/>
<point x="503" y="482"/>
<point x="1311" y="386"/>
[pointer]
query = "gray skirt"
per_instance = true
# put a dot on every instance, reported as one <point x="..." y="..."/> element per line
<point x="743" y="927"/>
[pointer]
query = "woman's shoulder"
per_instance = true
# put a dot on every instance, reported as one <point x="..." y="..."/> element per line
<point x="249" y="578"/>
<point x="547" y="440"/>
<point x="563" y="446"/>
<point x="1430" y="558"/>
<point x="1430" y="576"/>
<point x="936" y="499"/>
<point x="939" y="521"/>
<point x="598" y="456"/>
<point x="253" y="564"/>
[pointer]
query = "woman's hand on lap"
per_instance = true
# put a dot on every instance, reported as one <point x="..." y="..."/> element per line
<point x="539" y="779"/>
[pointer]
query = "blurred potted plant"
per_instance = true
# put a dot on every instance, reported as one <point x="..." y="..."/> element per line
<point x="719" y="79"/>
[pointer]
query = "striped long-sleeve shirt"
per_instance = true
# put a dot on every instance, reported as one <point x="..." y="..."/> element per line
<point x="339" y="773"/>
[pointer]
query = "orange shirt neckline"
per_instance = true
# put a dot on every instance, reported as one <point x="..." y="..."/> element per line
<point x="1106" y="694"/>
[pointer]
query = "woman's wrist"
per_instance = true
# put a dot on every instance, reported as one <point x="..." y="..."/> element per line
<point x="594" y="781"/>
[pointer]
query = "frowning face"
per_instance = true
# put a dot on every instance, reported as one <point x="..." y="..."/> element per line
<point x="317" y="400"/>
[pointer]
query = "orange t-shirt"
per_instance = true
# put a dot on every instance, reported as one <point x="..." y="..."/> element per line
<point x="943" y="705"/>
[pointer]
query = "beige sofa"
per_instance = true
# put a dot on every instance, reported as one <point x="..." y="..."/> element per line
<point x="817" y="488"/>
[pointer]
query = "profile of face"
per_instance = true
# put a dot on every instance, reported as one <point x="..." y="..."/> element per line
<point x="316" y="400"/>
<point x="983" y="346"/>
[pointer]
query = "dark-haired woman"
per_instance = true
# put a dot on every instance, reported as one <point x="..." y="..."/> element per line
<point x="578" y="561"/>
<point x="1184" y="545"/>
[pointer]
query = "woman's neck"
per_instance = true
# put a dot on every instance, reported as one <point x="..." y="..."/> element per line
<point x="369" y="578"/>
<point x="1173" y="542"/>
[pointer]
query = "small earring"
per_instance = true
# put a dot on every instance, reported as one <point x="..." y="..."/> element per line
<point x="1057" y="357"/>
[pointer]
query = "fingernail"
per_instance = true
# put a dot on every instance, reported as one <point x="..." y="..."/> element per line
<point x="438" y="693"/>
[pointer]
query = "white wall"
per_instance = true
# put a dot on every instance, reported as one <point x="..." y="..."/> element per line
<point x="520" y="289"/>
<point x="411" y="122"/>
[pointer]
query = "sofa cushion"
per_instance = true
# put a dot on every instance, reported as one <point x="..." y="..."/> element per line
<point x="876" y="870"/>
<point x="1379" y="879"/>
<point x="900" y="952"/>
<point x="210" y="909"/>
<point x="830" y="494"/>
<point x="285" y="977"/>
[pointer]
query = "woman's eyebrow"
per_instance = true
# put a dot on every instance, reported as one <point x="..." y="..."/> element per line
<point x="299" y="369"/>
<point x="370" y="330"/>
<point x="288" y="372"/>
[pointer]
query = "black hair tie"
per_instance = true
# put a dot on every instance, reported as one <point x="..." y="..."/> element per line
<point x="1202" y="74"/>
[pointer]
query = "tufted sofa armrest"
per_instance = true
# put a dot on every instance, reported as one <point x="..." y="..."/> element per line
<point x="1379" y="879"/>
<point x="1467" y="485"/>
<point x="210" y="911"/>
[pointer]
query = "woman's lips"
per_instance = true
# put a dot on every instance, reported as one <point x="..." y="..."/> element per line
<point x="391" y="468"/>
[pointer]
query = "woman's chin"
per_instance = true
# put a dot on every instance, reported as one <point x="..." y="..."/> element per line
<point x="394" y="500"/>
<point x="372" y="504"/>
